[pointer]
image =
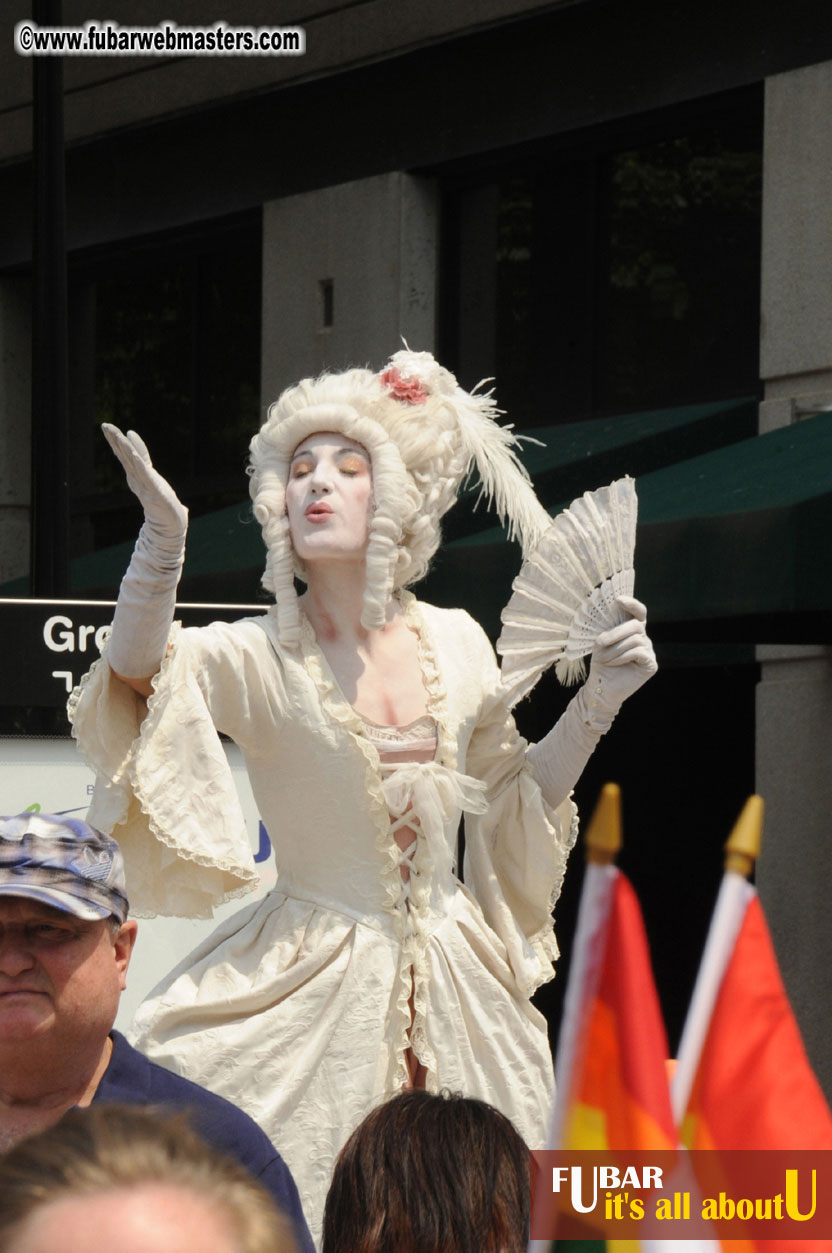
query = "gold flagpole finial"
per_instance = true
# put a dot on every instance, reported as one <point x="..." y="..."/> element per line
<point x="603" y="835"/>
<point x="742" y="848"/>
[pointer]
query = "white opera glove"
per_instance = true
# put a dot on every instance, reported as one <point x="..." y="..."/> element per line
<point x="147" y="595"/>
<point x="622" y="660"/>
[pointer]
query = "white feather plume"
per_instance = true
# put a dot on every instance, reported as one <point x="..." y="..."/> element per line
<point x="487" y="447"/>
<point x="504" y="480"/>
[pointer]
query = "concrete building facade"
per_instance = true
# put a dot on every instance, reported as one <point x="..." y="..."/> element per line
<point x="365" y="184"/>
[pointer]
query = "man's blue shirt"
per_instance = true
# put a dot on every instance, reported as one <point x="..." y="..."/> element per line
<point x="132" y="1079"/>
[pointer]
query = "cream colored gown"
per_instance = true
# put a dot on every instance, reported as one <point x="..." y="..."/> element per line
<point x="297" y="1008"/>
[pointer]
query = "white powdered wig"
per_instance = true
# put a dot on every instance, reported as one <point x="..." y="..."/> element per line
<point x="424" y="435"/>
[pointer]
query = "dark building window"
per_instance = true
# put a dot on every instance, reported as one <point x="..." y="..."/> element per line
<point x="603" y="273"/>
<point x="678" y="270"/>
<point x="165" y="340"/>
<point x="613" y="272"/>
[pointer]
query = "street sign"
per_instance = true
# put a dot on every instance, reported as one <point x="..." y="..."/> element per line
<point x="47" y="646"/>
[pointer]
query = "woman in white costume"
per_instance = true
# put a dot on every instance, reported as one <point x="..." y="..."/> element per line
<point x="369" y="722"/>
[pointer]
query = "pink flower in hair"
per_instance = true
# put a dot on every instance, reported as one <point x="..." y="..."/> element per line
<point x="402" y="387"/>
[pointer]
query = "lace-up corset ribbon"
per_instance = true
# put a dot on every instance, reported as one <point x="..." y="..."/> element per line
<point x="422" y="797"/>
<point x="420" y="794"/>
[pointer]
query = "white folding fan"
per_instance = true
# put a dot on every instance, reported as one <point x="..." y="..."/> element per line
<point x="564" y="596"/>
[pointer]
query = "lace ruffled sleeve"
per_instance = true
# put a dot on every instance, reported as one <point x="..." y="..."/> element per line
<point x="515" y="853"/>
<point x="163" y="784"/>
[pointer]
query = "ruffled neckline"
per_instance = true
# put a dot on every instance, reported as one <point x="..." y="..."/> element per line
<point x="340" y="709"/>
<point x="337" y="707"/>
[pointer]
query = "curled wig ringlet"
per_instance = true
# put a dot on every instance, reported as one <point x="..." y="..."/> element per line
<point x="424" y="434"/>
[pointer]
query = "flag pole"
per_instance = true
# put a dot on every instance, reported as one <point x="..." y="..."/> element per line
<point x="603" y="835"/>
<point x="741" y="851"/>
<point x="601" y="844"/>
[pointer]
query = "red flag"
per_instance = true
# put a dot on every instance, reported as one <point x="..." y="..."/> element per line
<point x="754" y="1086"/>
<point x="612" y="1052"/>
<point x="619" y="1092"/>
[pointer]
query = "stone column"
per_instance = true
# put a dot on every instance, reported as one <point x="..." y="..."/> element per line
<point x="794" y="699"/>
<point x="347" y="272"/>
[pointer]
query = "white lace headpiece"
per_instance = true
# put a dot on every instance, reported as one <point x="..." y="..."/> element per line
<point x="424" y="435"/>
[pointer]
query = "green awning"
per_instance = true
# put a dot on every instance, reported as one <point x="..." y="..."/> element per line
<point x="778" y="470"/>
<point x="733" y="540"/>
<point x="651" y="439"/>
<point x="737" y="537"/>
<point x="227" y="539"/>
<point x="576" y="456"/>
<point x="743" y="531"/>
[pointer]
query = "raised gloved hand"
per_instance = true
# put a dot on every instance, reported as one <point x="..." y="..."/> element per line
<point x="164" y="513"/>
<point x="147" y="595"/>
<point x="622" y="660"/>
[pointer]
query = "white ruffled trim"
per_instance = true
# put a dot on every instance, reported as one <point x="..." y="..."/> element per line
<point x="516" y="855"/>
<point x="411" y="1030"/>
<point x="121" y="800"/>
<point x="338" y="708"/>
<point x="544" y="942"/>
<point x="250" y="877"/>
<point x="437" y="707"/>
<point x="74" y="700"/>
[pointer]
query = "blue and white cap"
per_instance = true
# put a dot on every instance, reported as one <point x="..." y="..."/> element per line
<point x="62" y="862"/>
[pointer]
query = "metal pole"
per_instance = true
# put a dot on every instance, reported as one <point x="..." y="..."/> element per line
<point x="50" y="393"/>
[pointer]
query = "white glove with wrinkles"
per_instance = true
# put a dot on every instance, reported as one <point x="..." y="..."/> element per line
<point x="622" y="660"/>
<point x="147" y="595"/>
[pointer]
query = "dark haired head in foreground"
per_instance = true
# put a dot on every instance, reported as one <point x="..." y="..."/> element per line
<point x="430" y="1174"/>
<point x="132" y="1178"/>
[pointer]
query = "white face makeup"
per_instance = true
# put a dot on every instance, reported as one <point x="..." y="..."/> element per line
<point x="329" y="498"/>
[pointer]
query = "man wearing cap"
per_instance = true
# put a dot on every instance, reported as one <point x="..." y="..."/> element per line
<point x="65" y="945"/>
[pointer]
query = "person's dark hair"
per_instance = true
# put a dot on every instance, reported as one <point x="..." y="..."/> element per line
<point x="430" y="1174"/>
<point x="107" y="1147"/>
